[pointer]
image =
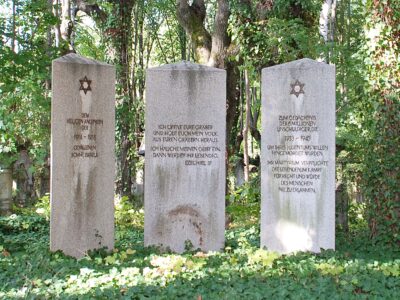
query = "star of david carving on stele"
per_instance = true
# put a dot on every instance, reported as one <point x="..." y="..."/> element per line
<point x="85" y="85"/>
<point x="297" y="88"/>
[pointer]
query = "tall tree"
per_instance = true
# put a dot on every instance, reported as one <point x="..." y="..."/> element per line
<point x="212" y="48"/>
<point x="382" y="176"/>
<point x="327" y="25"/>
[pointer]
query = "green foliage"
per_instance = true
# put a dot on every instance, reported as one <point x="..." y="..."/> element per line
<point x="262" y="257"/>
<point x="88" y="42"/>
<point x="368" y="124"/>
<point x="243" y="213"/>
<point x="126" y="215"/>
<point x="168" y="37"/>
<point x="7" y="147"/>
<point x="381" y="71"/>
<point x="242" y="270"/>
<point x="42" y="206"/>
<point x="144" y="33"/>
<point x="382" y="173"/>
<point x="16" y="224"/>
<point x="24" y="99"/>
<point x="275" y="41"/>
<point x="279" y="37"/>
<point x="248" y="192"/>
<point x="244" y="202"/>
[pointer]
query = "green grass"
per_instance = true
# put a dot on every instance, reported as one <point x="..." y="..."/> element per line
<point x="28" y="270"/>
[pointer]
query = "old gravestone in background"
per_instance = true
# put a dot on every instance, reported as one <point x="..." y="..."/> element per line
<point x="185" y="157"/>
<point x="6" y="182"/>
<point x="82" y="155"/>
<point x="298" y="157"/>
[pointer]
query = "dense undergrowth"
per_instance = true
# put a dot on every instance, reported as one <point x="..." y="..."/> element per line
<point x="28" y="270"/>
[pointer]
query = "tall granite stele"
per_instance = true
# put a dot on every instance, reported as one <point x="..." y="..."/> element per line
<point x="298" y="157"/>
<point x="185" y="157"/>
<point x="82" y="155"/>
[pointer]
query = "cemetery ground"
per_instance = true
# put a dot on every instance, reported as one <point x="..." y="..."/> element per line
<point x="357" y="269"/>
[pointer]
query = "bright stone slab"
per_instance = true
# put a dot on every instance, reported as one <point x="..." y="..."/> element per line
<point x="185" y="157"/>
<point x="298" y="157"/>
<point x="82" y="155"/>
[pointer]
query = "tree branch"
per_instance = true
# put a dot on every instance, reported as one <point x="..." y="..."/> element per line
<point x="220" y="38"/>
<point x="191" y="18"/>
<point x="254" y="114"/>
<point x="92" y="10"/>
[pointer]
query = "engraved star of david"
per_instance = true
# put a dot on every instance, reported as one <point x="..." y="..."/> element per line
<point x="297" y="88"/>
<point x="85" y="85"/>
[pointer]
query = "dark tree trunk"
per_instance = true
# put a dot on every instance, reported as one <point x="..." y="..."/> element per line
<point x="212" y="49"/>
<point x="122" y="43"/>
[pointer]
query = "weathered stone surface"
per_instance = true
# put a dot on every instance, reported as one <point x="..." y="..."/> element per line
<point x="6" y="182"/>
<point x="185" y="157"/>
<point x="82" y="155"/>
<point x="298" y="157"/>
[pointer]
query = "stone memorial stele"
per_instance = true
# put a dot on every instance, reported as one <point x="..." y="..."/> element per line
<point x="6" y="182"/>
<point x="298" y="157"/>
<point x="185" y="157"/>
<point x="82" y="155"/>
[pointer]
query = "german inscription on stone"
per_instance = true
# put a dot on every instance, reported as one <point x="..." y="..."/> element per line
<point x="185" y="157"/>
<point x="298" y="157"/>
<point x="82" y="155"/>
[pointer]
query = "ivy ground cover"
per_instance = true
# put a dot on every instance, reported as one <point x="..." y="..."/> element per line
<point x="28" y="270"/>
